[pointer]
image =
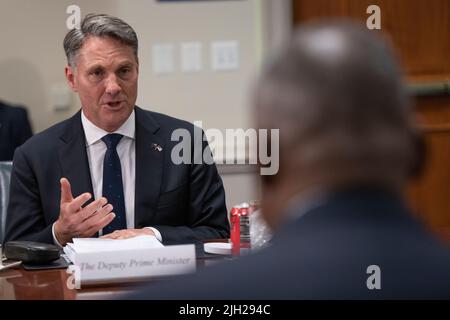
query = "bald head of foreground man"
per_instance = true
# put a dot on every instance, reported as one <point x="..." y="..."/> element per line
<point x="337" y="96"/>
<point x="347" y="147"/>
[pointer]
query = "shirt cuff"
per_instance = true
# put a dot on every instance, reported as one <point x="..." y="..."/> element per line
<point x="157" y="233"/>
<point x="54" y="237"/>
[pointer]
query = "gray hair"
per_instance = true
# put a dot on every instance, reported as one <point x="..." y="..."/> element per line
<point x="337" y="96"/>
<point x="99" y="25"/>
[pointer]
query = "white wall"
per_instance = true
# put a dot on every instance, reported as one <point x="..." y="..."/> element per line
<point x="32" y="57"/>
<point x="219" y="99"/>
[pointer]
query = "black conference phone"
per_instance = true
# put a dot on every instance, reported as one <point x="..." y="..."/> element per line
<point x="30" y="252"/>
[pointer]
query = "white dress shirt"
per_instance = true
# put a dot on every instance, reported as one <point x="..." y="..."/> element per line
<point x="126" y="149"/>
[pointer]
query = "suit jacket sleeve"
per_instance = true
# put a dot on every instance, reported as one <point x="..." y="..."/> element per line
<point x="207" y="216"/>
<point x="25" y="219"/>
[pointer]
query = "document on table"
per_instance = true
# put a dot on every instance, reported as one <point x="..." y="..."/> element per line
<point x="88" y="245"/>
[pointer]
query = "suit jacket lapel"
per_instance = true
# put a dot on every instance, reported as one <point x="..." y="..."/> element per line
<point x="149" y="168"/>
<point x="73" y="157"/>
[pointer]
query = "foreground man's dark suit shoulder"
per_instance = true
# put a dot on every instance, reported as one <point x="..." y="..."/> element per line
<point x="186" y="202"/>
<point x="324" y="254"/>
<point x="15" y="129"/>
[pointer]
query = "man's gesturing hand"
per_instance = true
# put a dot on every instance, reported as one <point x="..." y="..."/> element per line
<point x="75" y="221"/>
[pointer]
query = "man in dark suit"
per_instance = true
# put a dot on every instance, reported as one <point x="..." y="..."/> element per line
<point x="347" y="147"/>
<point x="15" y="129"/>
<point x="109" y="168"/>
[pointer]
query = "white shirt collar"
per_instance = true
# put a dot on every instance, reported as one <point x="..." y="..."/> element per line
<point x="94" y="133"/>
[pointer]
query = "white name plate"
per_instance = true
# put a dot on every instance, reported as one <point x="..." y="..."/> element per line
<point x="132" y="265"/>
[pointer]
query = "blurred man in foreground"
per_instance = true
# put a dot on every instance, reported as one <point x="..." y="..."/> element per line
<point x="347" y="148"/>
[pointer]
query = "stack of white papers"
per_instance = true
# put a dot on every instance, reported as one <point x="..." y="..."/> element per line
<point x="91" y="245"/>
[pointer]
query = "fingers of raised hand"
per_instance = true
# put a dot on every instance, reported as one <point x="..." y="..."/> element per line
<point x="66" y="191"/>
<point x="94" y="207"/>
<point x="75" y="204"/>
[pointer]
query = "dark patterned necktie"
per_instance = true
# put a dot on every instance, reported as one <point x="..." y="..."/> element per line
<point x="112" y="183"/>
